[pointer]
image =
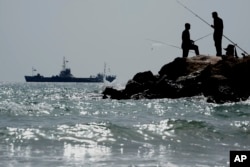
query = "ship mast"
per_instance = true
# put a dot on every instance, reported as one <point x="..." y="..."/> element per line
<point x="104" y="72"/>
<point x="33" y="70"/>
<point x="64" y="64"/>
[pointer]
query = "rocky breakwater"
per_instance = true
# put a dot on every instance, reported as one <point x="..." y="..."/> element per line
<point x="219" y="79"/>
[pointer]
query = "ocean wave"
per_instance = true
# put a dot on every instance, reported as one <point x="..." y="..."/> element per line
<point x="16" y="109"/>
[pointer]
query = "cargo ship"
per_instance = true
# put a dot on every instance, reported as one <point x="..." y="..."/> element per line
<point x="66" y="76"/>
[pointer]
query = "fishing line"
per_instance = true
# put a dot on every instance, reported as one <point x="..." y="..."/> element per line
<point x="163" y="43"/>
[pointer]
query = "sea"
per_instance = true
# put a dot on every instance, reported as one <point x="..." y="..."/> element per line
<point x="70" y="125"/>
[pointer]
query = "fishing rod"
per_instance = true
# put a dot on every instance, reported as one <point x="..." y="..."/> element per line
<point x="244" y="54"/>
<point x="210" y="25"/>
<point x="163" y="43"/>
<point x="193" y="12"/>
<point x="203" y="37"/>
<point x="174" y="46"/>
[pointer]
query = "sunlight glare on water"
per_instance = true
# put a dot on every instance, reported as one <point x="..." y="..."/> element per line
<point x="71" y="125"/>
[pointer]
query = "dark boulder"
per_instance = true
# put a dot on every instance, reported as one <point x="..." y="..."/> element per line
<point x="141" y="82"/>
<point x="113" y="93"/>
<point x="174" y="69"/>
<point x="144" y="77"/>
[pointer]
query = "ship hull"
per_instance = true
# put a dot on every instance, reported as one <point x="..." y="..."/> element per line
<point x="61" y="79"/>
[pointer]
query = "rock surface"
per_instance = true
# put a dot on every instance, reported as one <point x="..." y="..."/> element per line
<point x="219" y="79"/>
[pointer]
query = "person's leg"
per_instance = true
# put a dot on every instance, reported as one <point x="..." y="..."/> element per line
<point x="218" y="46"/>
<point x="195" y="48"/>
<point x="185" y="52"/>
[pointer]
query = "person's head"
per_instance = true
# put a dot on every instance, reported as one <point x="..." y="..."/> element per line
<point x="215" y="14"/>
<point x="230" y="50"/>
<point x="187" y="26"/>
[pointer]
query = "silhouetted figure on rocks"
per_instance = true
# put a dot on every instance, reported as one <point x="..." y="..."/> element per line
<point x="231" y="51"/>
<point x="218" y="33"/>
<point x="187" y="43"/>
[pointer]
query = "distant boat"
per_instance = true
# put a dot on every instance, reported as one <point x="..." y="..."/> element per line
<point x="66" y="76"/>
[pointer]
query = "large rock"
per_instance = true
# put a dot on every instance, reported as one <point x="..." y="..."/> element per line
<point x="185" y="66"/>
<point x="219" y="79"/>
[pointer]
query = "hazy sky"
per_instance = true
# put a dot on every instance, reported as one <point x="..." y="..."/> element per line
<point x="39" y="33"/>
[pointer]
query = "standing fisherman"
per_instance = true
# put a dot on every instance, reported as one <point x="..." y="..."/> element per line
<point x="218" y="33"/>
<point x="187" y="43"/>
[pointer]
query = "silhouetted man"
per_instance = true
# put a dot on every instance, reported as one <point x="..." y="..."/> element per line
<point x="218" y="33"/>
<point x="187" y="43"/>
